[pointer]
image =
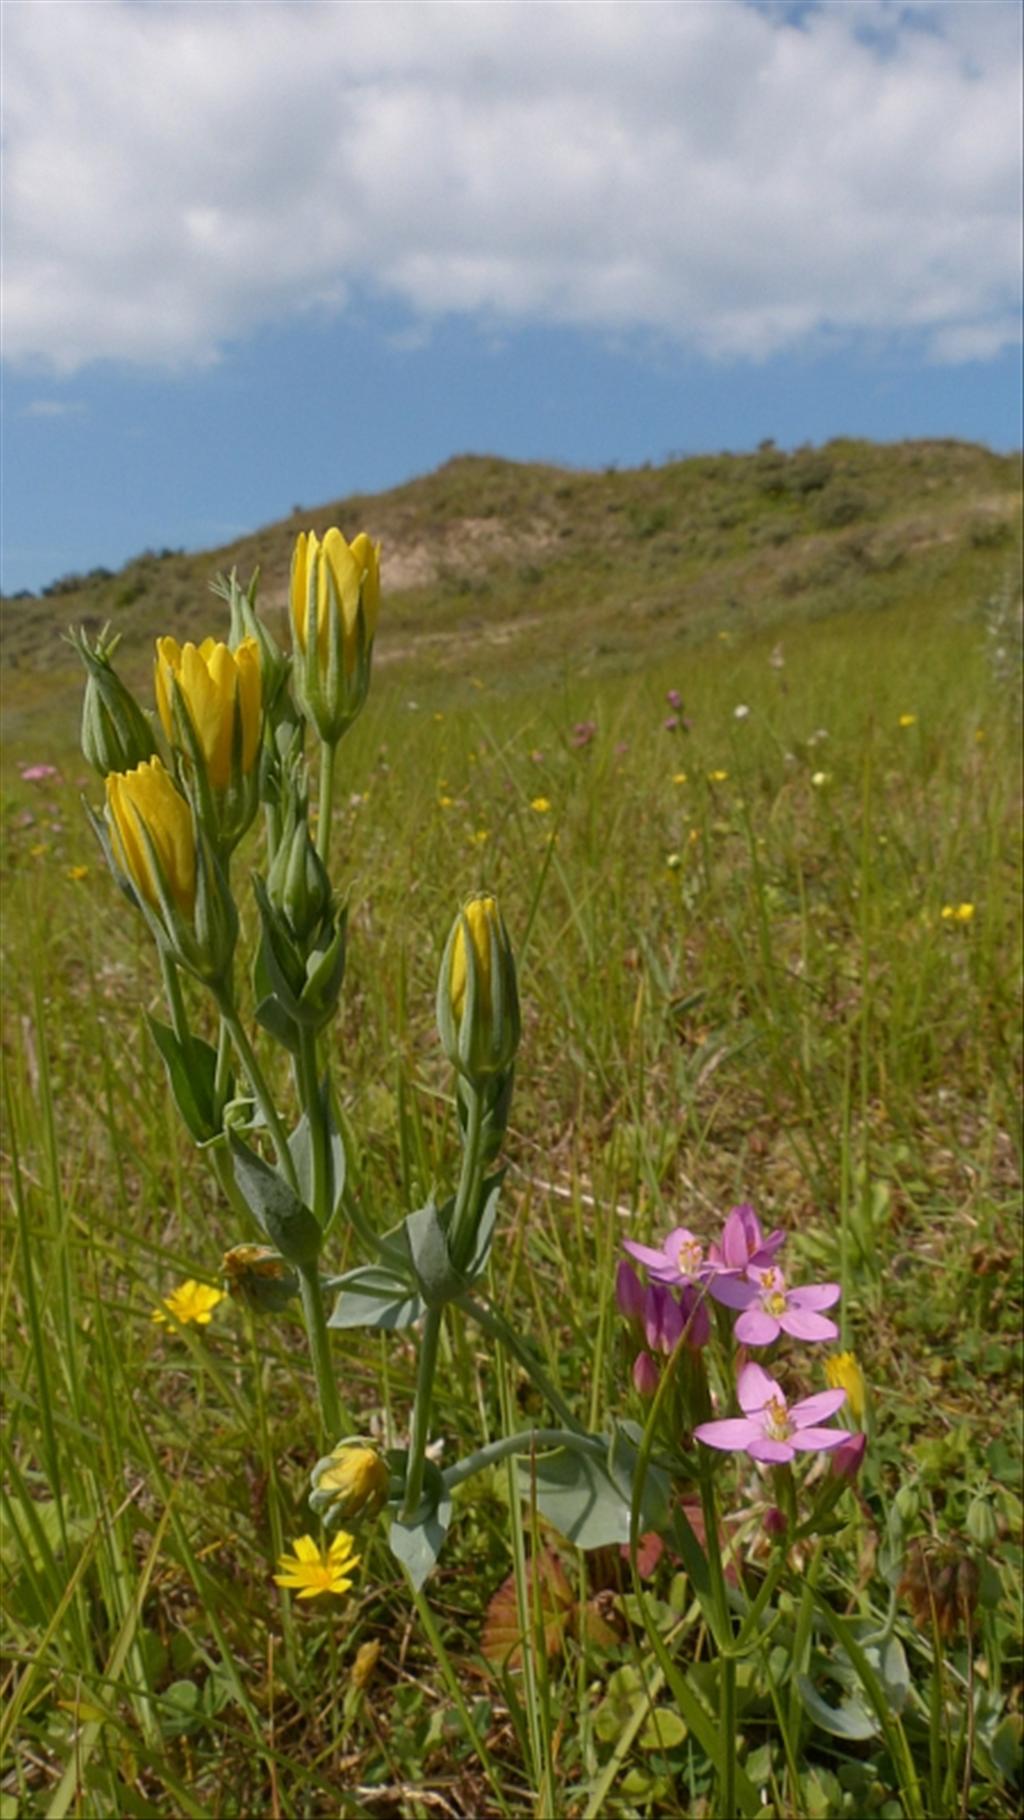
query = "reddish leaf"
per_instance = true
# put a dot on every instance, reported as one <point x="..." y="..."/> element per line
<point x="546" y="1584"/>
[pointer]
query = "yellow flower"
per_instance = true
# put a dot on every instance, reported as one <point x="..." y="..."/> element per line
<point x="347" y="570"/>
<point x="541" y="806"/>
<point x="445" y="802"/>
<point x="352" y="1482"/>
<point x="844" y="1373"/>
<point x="77" y="872"/>
<point x="481" y="836"/>
<point x="146" y="800"/>
<point x="819" y="779"/>
<point x="673" y="862"/>
<point x="38" y="850"/>
<point x="718" y="777"/>
<point x="679" y="777"/>
<point x="908" y="720"/>
<point x="218" y="686"/>
<point x="191" y="1303"/>
<point x="310" y="1570"/>
<point x="477" y="997"/>
<point x="957" y="913"/>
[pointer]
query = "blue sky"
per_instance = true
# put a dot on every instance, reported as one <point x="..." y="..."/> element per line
<point x="263" y="256"/>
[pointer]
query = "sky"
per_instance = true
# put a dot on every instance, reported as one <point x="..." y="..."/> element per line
<point x="264" y="255"/>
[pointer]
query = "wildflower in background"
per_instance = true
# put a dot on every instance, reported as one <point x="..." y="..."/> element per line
<point x="741" y="712"/>
<point x="350" y="1483"/>
<point x="843" y="1373"/>
<point x="679" y="777"/>
<point x="718" y="777"/>
<point x="777" y="658"/>
<point x="673" y="861"/>
<point x="38" y="774"/>
<point x="675" y="700"/>
<point x="957" y="913"/>
<point x="536" y="756"/>
<point x="908" y="720"/>
<point x="310" y="1570"/>
<point x="191" y="1304"/>
<point x="582" y="734"/>
<point x="541" y="806"/>
<point x="477" y="995"/>
<point x="622" y="747"/>
<point x="819" y="779"/>
<point x="768" y="1308"/>
<point x="445" y="802"/>
<point x="76" y="873"/>
<point x="670" y="723"/>
<point x="151" y="823"/>
<point x="220" y="692"/>
<point x="481" y="837"/>
<point x="768" y="1430"/>
<point x="38" y="850"/>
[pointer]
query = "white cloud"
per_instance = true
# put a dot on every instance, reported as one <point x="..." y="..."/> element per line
<point x="712" y="173"/>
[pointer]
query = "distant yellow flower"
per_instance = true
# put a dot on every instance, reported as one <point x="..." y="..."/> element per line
<point x="694" y="836"/>
<point x="679" y="777"/>
<point x="481" y="835"/>
<point x="38" y="850"/>
<point x="957" y="913"/>
<point x="908" y="720"/>
<point x="147" y="798"/>
<point x="191" y="1303"/>
<point x="445" y="802"/>
<point x="844" y="1373"/>
<point x="541" y="806"/>
<point x="718" y="777"/>
<point x="673" y="861"/>
<point x="311" y="1570"/>
<point x="819" y="779"/>
<point x="980" y="733"/>
<point x="438" y="715"/>
<point x="218" y="688"/>
<point x="77" y="872"/>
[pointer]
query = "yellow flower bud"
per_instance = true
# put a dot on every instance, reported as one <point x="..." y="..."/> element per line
<point x="145" y="802"/>
<point x="844" y="1373"/>
<point x="477" y="999"/>
<point x="220" y="690"/>
<point x="339" y="583"/>
<point x="350" y="1483"/>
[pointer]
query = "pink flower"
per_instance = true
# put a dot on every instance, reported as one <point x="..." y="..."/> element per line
<point x="680" y="1260"/>
<point x="629" y="1292"/>
<point x="768" y="1430"/>
<point x="743" y="1243"/>
<point x="769" y="1308"/>
<point x="674" y="699"/>
<point x="671" y="722"/>
<point x="645" y="1374"/>
<point x="847" y="1458"/>
<point x="582" y="733"/>
<point x="38" y="774"/>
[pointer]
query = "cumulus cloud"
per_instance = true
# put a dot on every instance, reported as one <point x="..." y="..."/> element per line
<point x="737" y="179"/>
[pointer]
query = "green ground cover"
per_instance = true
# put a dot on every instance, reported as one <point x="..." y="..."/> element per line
<point x="738" y="983"/>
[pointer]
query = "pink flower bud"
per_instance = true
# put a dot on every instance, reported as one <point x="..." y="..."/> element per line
<point x="645" y="1374"/>
<point x="774" y="1523"/>
<point x="629" y="1293"/>
<point x="846" y="1459"/>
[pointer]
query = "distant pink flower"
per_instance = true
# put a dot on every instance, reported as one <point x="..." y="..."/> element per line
<point x="768" y="1430"/>
<point x="680" y="1260"/>
<point x="671" y="722"/>
<point x="674" y="699"/>
<point x="622" y="748"/>
<point x="38" y="774"/>
<point x="769" y="1308"/>
<point x="582" y="733"/>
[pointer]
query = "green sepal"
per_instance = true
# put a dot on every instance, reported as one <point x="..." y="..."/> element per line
<point x="416" y="1544"/>
<point x="191" y="1074"/>
<point x="285" y="1220"/>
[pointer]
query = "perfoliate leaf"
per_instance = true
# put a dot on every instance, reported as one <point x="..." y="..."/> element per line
<point x="374" y="1296"/>
<point x="575" y="1493"/>
<point x="286" y="1221"/>
<point x="417" y="1544"/>
<point x="191" y="1075"/>
<point x="428" y="1250"/>
<point x="851" y="1720"/>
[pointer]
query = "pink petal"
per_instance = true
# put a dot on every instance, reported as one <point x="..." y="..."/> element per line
<point x="755" y="1328"/>
<point x="777" y="1453"/>
<point x="802" y="1325"/>
<point x="731" y="1291"/>
<point x="736" y="1433"/>
<point x="741" y="1236"/>
<point x="815" y="1295"/>
<point x="817" y="1408"/>
<point x="755" y="1388"/>
<point x="765" y="1253"/>
<point x="818" y="1440"/>
<point x="646" y="1254"/>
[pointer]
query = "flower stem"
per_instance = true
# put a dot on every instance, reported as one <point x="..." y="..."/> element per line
<point x="429" y="1341"/>
<point x="320" y="1348"/>
<point x="463" y="1227"/>
<point x="325" y="805"/>
<point x="257" y="1081"/>
<point x="312" y="1105"/>
<point x="528" y="1440"/>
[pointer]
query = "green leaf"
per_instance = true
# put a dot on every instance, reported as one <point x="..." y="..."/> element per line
<point x="575" y="1493"/>
<point x="275" y="1019"/>
<point x="417" y="1544"/>
<point x="486" y="1220"/>
<point x="438" y="1280"/>
<point x="191" y="1075"/>
<point x="286" y="1221"/>
<point x="851" y="1720"/>
<point x="374" y="1296"/>
<point x="623" y="1453"/>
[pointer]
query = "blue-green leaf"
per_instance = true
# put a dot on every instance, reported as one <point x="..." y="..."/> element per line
<point x="191" y="1075"/>
<point x="286" y="1221"/>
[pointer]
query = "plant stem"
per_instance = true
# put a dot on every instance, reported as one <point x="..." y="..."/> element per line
<point x="312" y="1105"/>
<point x="175" y="999"/>
<point x="728" y="1789"/>
<point x="528" y="1440"/>
<point x="429" y="1341"/>
<point x="320" y="1348"/>
<point x="259" y="1086"/>
<point x="325" y="802"/>
<point x="463" y="1227"/>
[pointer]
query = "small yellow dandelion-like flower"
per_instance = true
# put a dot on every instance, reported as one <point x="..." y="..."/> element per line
<point x="311" y="1570"/>
<point x="673" y="861"/>
<point x="819" y="780"/>
<point x="957" y="913"/>
<point x="679" y="777"/>
<point x="445" y="802"/>
<point x="38" y="850"/>
<point x="908" y="720"/>
<point x="843" y="1373"/>
<point x="694" y="836"/>
<point x="438" y="714"/>
<point x="980" y="734"/>
<point x="191" y="1303"/>
<point x="76" y="873"/>
<point x="717" y="777"/>
<point x="481" y="836"/>
<point x="541" y="806"/>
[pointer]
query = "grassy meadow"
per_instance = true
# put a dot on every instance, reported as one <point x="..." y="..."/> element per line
<point x="768" y="954"/>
